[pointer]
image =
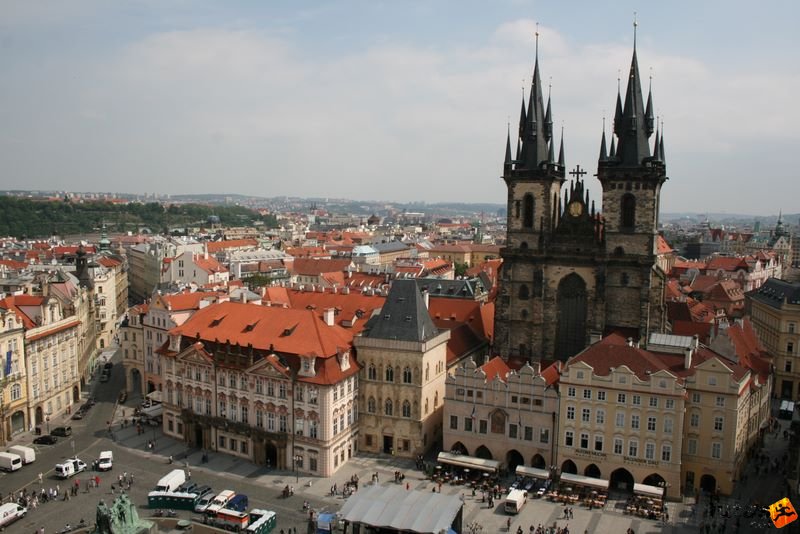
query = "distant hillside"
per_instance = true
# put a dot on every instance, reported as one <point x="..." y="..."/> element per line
<point x="22" y="217"/>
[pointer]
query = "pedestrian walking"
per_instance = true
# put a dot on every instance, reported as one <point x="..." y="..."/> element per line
<point x="41" y="477"/>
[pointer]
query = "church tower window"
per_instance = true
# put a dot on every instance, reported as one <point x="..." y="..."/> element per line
<point x="524" y="294"/>
<point x="527" y="211"/>
<point x="628" y="211"/>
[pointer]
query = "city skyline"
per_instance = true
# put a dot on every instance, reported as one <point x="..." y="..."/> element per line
<point x="381" y="101"/>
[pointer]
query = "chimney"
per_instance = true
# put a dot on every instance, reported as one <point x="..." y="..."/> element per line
<point x="327" y="316"/>
<point x="427" y="298"/>
<point x="205" y="250"/>
<point x="244" y="297"/>
<point x="687" y="357"/>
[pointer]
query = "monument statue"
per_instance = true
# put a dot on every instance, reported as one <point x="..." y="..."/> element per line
<point x="120" y="518"/>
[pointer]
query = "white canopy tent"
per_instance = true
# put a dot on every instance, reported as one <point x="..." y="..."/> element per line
<point x="580" y="480"/>
<point x="649" y="491"/>
<point x="532" y="472"/>
<point x="394" y="508"/>
<point x="470" y="462"/>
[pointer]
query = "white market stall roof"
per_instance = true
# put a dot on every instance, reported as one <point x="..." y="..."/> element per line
<point x="650" y="491"/>
<point x="580" y="480"/>
<point x="533" y="472"/>
<point x="470" y="462"/>
<point x="392" y="507"/>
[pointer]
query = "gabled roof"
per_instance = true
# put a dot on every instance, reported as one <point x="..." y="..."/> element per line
<point x="209" y="264"/>
<point x="725" y="263"/>
<point x="496" y="368"/>
<point x="404" y="316"/>
<point x="16" y="303"/>
<point x="351" y="310"/>
<point x="662" y="247"/>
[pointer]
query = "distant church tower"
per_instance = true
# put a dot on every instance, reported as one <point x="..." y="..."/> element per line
<point x="569" y="274"/>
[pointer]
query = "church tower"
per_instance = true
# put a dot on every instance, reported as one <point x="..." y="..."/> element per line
<point x="632" y="176"/>
<point x="571" y="275"/>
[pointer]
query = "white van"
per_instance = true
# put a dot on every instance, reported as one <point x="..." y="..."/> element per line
<point x="10" y="512"/>
<point x="220" y="501"/>
<point x="171" y="481"/>
<point x="515" y="500"/>
<point x="70" y="468"/>
<point x="10" y="461"/>
<point x="106" y="461"/>
<point x="27" y="454"/>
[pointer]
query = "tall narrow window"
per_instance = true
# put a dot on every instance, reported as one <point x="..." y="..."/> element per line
<point x="628" y="211"/>
<point x="527" y="211"/>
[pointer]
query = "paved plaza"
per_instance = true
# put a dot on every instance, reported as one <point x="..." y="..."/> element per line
<point x="264" y="485"/>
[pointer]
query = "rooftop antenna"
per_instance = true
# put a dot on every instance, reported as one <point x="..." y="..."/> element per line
<point x="635" y="24"/>
<point x="537" y="40"/>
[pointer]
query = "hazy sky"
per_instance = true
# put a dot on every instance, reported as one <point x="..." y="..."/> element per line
<point x="387" y="100"/>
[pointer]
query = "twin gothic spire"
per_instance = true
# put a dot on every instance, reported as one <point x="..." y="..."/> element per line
<point x="634" y="124"/>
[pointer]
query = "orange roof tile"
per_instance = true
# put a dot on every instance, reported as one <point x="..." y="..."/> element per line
<point x="496" y="368"/>
<point x="216" y="246"/>
<point x="209" y="264"/>
<point x="315" y="267"/>
<point x="285" y="330"/>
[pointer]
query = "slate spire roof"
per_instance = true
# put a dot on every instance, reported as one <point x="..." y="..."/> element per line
<point x="404" y="316"/>
<point x="535" y="129"/>
<point x="634" y="134"/>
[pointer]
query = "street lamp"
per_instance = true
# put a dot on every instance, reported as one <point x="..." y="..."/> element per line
<point x="297" y="460"/>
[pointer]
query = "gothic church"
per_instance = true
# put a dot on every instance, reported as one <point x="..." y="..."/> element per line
<point x="570" y="273"/>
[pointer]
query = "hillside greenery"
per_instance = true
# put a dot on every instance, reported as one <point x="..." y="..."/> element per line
<point x="29" y="218"/>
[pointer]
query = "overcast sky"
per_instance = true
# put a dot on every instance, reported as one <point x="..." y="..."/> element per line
<point x="381" y="100"/>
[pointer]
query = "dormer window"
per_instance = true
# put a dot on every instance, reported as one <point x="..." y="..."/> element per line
<point x="307" y="366"/>
<point x="345" y="364"/>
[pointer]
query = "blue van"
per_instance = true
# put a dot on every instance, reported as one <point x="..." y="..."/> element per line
<point x="238" y="503"/>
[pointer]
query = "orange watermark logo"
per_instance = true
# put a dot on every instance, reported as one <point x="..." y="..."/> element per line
<point x="782" y="513"/>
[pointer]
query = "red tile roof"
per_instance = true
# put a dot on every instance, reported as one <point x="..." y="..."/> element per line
<point x="315" y="267"/>
<point x="216" y="246"/>
<point x="209" y="264"/>
<point x="612" y="352"/>
<point x="16" y="302"/>
<point x="105" y="261"/>
<point x="352" y="310"/>
<point x="285" y="330"/>
<point x="496" y="368"/>
<point x="729" y="264"/>
<point x="662" y="246"/>
<point x="188" y="301"/>
<point x="14" y="265"/>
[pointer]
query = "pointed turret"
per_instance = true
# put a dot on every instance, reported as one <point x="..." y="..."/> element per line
<point x="551" y="151"/>
<point x="649" y="119"/>
<point x="661" y="146"/>
<point x="508" y="161"/>
<point x="618" y="113"/>
<point x="548" y="120"/>
<point x="612" y="152"/>
<point x="656" y="148"/>
<point x="603" y="151"/>
<point x="522" y="116"/>
<point x="561" y="150"/>
<point x="633" y="135"/>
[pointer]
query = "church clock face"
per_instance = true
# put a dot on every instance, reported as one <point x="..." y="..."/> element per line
<point x="575" y="208"/>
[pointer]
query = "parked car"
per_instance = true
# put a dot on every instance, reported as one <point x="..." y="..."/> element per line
<point x="46" y="440"/>
<point x="62" y="431"/>
<point x="78" y="415"/>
